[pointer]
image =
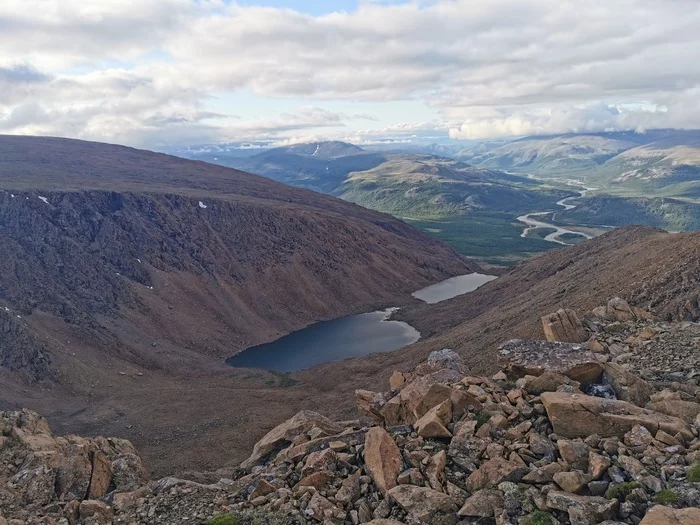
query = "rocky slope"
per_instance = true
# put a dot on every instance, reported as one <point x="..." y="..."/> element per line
<point x="129" y="274"/>
<point x="566" y="433"/>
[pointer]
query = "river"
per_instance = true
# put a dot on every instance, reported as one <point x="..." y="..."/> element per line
<point x="532" y="223"/>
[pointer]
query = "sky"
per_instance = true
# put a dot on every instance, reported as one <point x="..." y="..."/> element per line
<point x="174" y="73"/>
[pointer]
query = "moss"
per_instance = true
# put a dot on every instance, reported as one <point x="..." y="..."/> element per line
<point x="666" y="497"/>
<point x="481" y="419"/>
<point x="693" y="474"/>
<point x="540" y="518"/>
<point x="621" y="490"/>
<point x="224" y="519"/>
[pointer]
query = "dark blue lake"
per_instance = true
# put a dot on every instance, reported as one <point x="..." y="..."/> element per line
<point x="352" y="336"/>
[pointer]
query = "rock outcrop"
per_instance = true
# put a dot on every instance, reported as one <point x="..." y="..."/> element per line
<point x="563" y="326"/>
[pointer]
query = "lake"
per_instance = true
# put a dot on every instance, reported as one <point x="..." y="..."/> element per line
<point x="352" y="336"/>
<point x="452" y="287"/>
<point x="326" y="341"/>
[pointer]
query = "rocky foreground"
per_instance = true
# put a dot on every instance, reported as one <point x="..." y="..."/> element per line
<point x="599" y="424"/>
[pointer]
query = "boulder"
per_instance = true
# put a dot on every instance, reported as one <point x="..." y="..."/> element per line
<point x="685" y="410"/>
<point x="432" y="424"/>
<point x="426" y="505"/>
<point x="618" y="310"/>
<point x="416" y="398"/>
<point x="282" y="435"/>
<point x="563" y="326"/>
<point x="485" y="503"/>
<point x="572" y="481"/>
<point x="493" y="472"/>
<point x="101" y="475"/>
<point x="94" y="512"/>
<point x="547" y="382"/>
<point x="578" y="415"/>
<point x="128" y="472"/>
<point x="627" y="386"/>
<point x="583" y="510"/>
<point x="382" y="458"/>
<point x="74" y="472"/>
<point x="660" y="515"/>
<point x="441" y="360"/>
<point x="371" y="403"/>
<point x="519" y="358"/>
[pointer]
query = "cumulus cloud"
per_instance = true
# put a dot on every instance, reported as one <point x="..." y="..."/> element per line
<point x="102" y="69"/>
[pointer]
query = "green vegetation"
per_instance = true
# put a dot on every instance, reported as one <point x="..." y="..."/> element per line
<point x="540" y="518"/>
<point x="492" y="236"/>
<point x="622" y="490"/>
<point x="540" y="233"/>
<point x="667" y="497"/>
<point x="693" y="474"/>
<point x="481" y="419"/>
<point x="285" y="380"/>
<point x="224" y="519"/>
<point x="571" y="238"/>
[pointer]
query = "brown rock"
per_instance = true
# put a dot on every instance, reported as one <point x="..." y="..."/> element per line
<point x="128" y="472"/>
<point x="435" y="470"/>
<point x="382" y="458"/>
<point x="425" y="505"/>
<point x="575" y="453"/>
<point x="520" y="358"/>
<point x="544" y="474"/>
<point x="660" y="515"/>
<point x="547" y="382"/>
<point x="432" y="424"/>
<point x="578" y="415"/>
<point x="282" y="435"/>
<point x="96" y="511"/>
<point x="262" y="488"/>
<point x="320" y="508"/>
<point x="597" y="465"/>
<point x="685" y="410"/>
<point x="349" y="491"/>
<point x="485" y="503"/>
<point x="370" y="403"/>
<point x="397" y="380"/>
<point x="572" y="481"/>
<point x="463" y="402"/>
<point x="563" y="326"/>
<point x="583" y="510"/>
<point x="74" y="471"/>
<point x="317" y="480"/>
<point x="101" y="475"/>
<point x="627" y="386"/>
<point x="493" y="472"/>
<point x="638" y="439"/>
<point x="618" y="310"/>
<point x="320" y="461"/>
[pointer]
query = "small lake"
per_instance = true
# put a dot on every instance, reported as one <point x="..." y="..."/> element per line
<point x="326" y="341"/>
<point x="452" y="287"/>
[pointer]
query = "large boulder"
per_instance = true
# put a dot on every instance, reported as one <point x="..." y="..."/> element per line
<point x="583" y="510"/>
<point x="563" y="326"/>
<point x="660" y="515"/>
<point x="382" y="458"/>
<point x="519" y="358"/>
<point x="627" y="386"/>
<point x="578" y="415"/>
<point x="425" y="505"/>
<point x="282" y="435"/>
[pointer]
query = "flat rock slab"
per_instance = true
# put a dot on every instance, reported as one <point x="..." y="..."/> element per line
<point x="578" y="415"/>
<point x="519" y="358"/>
<point x="660" y="515"/>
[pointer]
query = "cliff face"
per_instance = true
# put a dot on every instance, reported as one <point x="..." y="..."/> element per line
<point x="139" y="247"/>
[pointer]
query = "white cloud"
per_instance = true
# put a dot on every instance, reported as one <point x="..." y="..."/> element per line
<point x="106" y="70"/>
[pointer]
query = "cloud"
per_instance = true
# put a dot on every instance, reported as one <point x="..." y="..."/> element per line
<point x="104" y="70"/>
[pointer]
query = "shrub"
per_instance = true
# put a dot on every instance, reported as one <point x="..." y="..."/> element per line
<point x="622" y="490"/>
<point x="666" y="497"/>
<point x="693" y="474"/>
<point x="540" y="518"/>
<point x="224" y="519"/>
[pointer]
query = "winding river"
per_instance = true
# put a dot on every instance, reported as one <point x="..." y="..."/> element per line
<point x="531" y="222"/>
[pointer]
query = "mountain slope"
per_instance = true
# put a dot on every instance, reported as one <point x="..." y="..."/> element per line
<point x="123" y="266"/>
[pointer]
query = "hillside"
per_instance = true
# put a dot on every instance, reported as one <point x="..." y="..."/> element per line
<point x="596" y="424"/>
<point x="669" y="214"/>
<point x="127" y="272"/>
<point x="466" y="207"/>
